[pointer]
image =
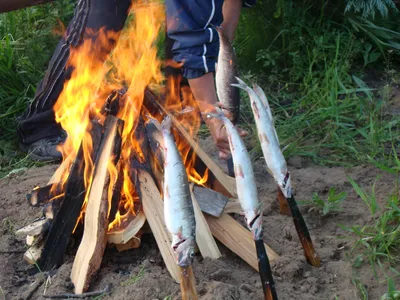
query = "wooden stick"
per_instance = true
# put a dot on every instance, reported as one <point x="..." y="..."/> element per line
<point x="204" y="239"/>
<point x="310" y="254"/>
<point x="36" y="228"/>
<point x="91" y="249"/>
<point x="153" y="207"/>
<point x="267" y="280"/>
<point x="133" y="243"/>
<point x="188" y="283"/>
<point x="237" y="238"/>
<point x="283" y="203"/>
<point x="233" y="207"/>
<point x="122" y="236"/>
<point x="32" y="255"/>
<point x="10" y="5"/>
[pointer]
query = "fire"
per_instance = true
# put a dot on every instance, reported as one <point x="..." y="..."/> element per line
<point x="131" y="66"/>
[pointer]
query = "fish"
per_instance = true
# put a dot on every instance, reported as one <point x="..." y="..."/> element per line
<point x="244" y="176"/>
<point x="268" y="138"/>
<point x="178" y="207"/>
<point x="226" y="73"/>
<point x="249" y="201"/>
<point x="277" y="165"/>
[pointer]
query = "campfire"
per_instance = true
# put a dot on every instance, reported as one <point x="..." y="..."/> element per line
<point x="109" y="183"/>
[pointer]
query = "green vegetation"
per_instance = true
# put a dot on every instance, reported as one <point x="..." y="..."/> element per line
<point x="134" y="278"/>
<point x="333" y="203"/>
<point x="330" y="72"/>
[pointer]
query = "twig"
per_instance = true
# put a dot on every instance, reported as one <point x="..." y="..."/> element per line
<point x="106" y="290"/>
<point x="12" y="251"/>
<point x="37" y="284"/>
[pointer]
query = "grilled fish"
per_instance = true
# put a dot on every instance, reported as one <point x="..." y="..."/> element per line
<point x="226" y="72"/>
<point x="268" y="137"/>
<point x="178" y="207"/>
<point x="244" y="176"/>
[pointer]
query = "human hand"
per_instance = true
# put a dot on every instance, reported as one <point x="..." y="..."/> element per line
<point x="220" y="136"/>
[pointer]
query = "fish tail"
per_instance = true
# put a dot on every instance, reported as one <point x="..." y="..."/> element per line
<point x="241" y="84"/>
<point x="166" y="123"/>
<point x="154" y="121"/>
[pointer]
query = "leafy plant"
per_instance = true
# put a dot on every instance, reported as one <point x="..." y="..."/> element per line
<point x="393" y="293"/>
<point x="368" y="8"/>
<point x="332" y="204"/>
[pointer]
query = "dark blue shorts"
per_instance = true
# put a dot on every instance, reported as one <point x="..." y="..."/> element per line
<point x="190" y="25"/>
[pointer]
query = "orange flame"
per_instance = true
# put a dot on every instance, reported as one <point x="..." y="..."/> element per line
<point x="99" y="66"/>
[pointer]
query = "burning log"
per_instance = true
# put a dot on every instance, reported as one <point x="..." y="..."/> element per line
<point x="133" y="243"/>
<point x="94" y="240"/>
<point x="70" y="209"/>
<point x="124" y="235"/>
<point x="10" y="5"/>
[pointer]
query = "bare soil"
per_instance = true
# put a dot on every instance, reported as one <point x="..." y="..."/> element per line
<point x="226" y="278"/>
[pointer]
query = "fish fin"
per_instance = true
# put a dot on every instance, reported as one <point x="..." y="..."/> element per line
<point x="166" y="123"/>
<point x="241" y="84"/>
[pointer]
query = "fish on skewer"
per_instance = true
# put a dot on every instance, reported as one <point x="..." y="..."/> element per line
<point x="178" y="210"/>
<point x="277" y="166"/>
<point x="249" y="201"/>
<point x="226" y="73"/>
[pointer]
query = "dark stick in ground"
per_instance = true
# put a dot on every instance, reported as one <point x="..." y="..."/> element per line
<point x="265" y="272"/>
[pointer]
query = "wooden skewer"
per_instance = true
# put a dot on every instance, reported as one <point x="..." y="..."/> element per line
<point x="265" y="271"/>
<point x="311" y="255"/>
<point x="283" y="203"/>
<point x="188" y="283"/>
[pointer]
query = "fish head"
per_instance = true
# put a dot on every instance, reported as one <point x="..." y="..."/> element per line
<point x="184" y="252"/>
<point x="286" y="185"/>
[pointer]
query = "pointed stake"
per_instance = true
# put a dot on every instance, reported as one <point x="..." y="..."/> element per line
<point x="303" y="233"/>
<point x="265" y="271"/>
<point x="283" y="204"/>
<point x="188" y="283"/>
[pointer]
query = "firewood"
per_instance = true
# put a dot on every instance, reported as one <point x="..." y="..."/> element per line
<point x="133" y="243"/>
<point x="122" y="236"/>
<point x="64" y="222"/>
<point x="204" y="239"/>
<point x="33" y="240"/>
<point x="91" y="249"/>
<point x="33" y="254"/>
<point x="10" y="5"/>
<point x="36" y="228"/>
<point x="237" y="238"/>
<point x="210" y="201"/>
<point x="233" y="207"/>
<point x="153" y="208"/>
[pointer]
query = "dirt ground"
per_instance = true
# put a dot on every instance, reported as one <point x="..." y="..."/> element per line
<point x="226" y="278"/>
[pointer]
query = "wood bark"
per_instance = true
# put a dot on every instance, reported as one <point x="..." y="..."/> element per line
<point x="91" y="249"/>
<point x="10" y="5"/>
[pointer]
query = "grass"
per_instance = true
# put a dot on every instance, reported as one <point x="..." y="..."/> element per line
<point x="134" y="278"/>
<point x="333" y="203"/>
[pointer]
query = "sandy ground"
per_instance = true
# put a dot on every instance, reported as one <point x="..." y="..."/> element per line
<point x="226" y="278"/>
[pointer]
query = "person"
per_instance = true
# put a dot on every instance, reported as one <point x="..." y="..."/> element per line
<point x="194" y="41"/>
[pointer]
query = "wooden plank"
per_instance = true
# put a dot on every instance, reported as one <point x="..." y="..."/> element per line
<point x="133" y="243"/>
<point x="91" y="249"/>
<point x="233" y="207"/>
<point x="122" y="236"/>
<point x="32" y="255"/>
<point x="204" y="239"/>
<point x="36" y="228"/>
<point x="153" y="207"/>
<point x="10" y="5"/>
<point x="210" y="201"/>
<point x="238" y="239"/>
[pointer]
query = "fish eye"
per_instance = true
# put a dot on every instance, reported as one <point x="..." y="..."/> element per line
<point x="191" y="254"/>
